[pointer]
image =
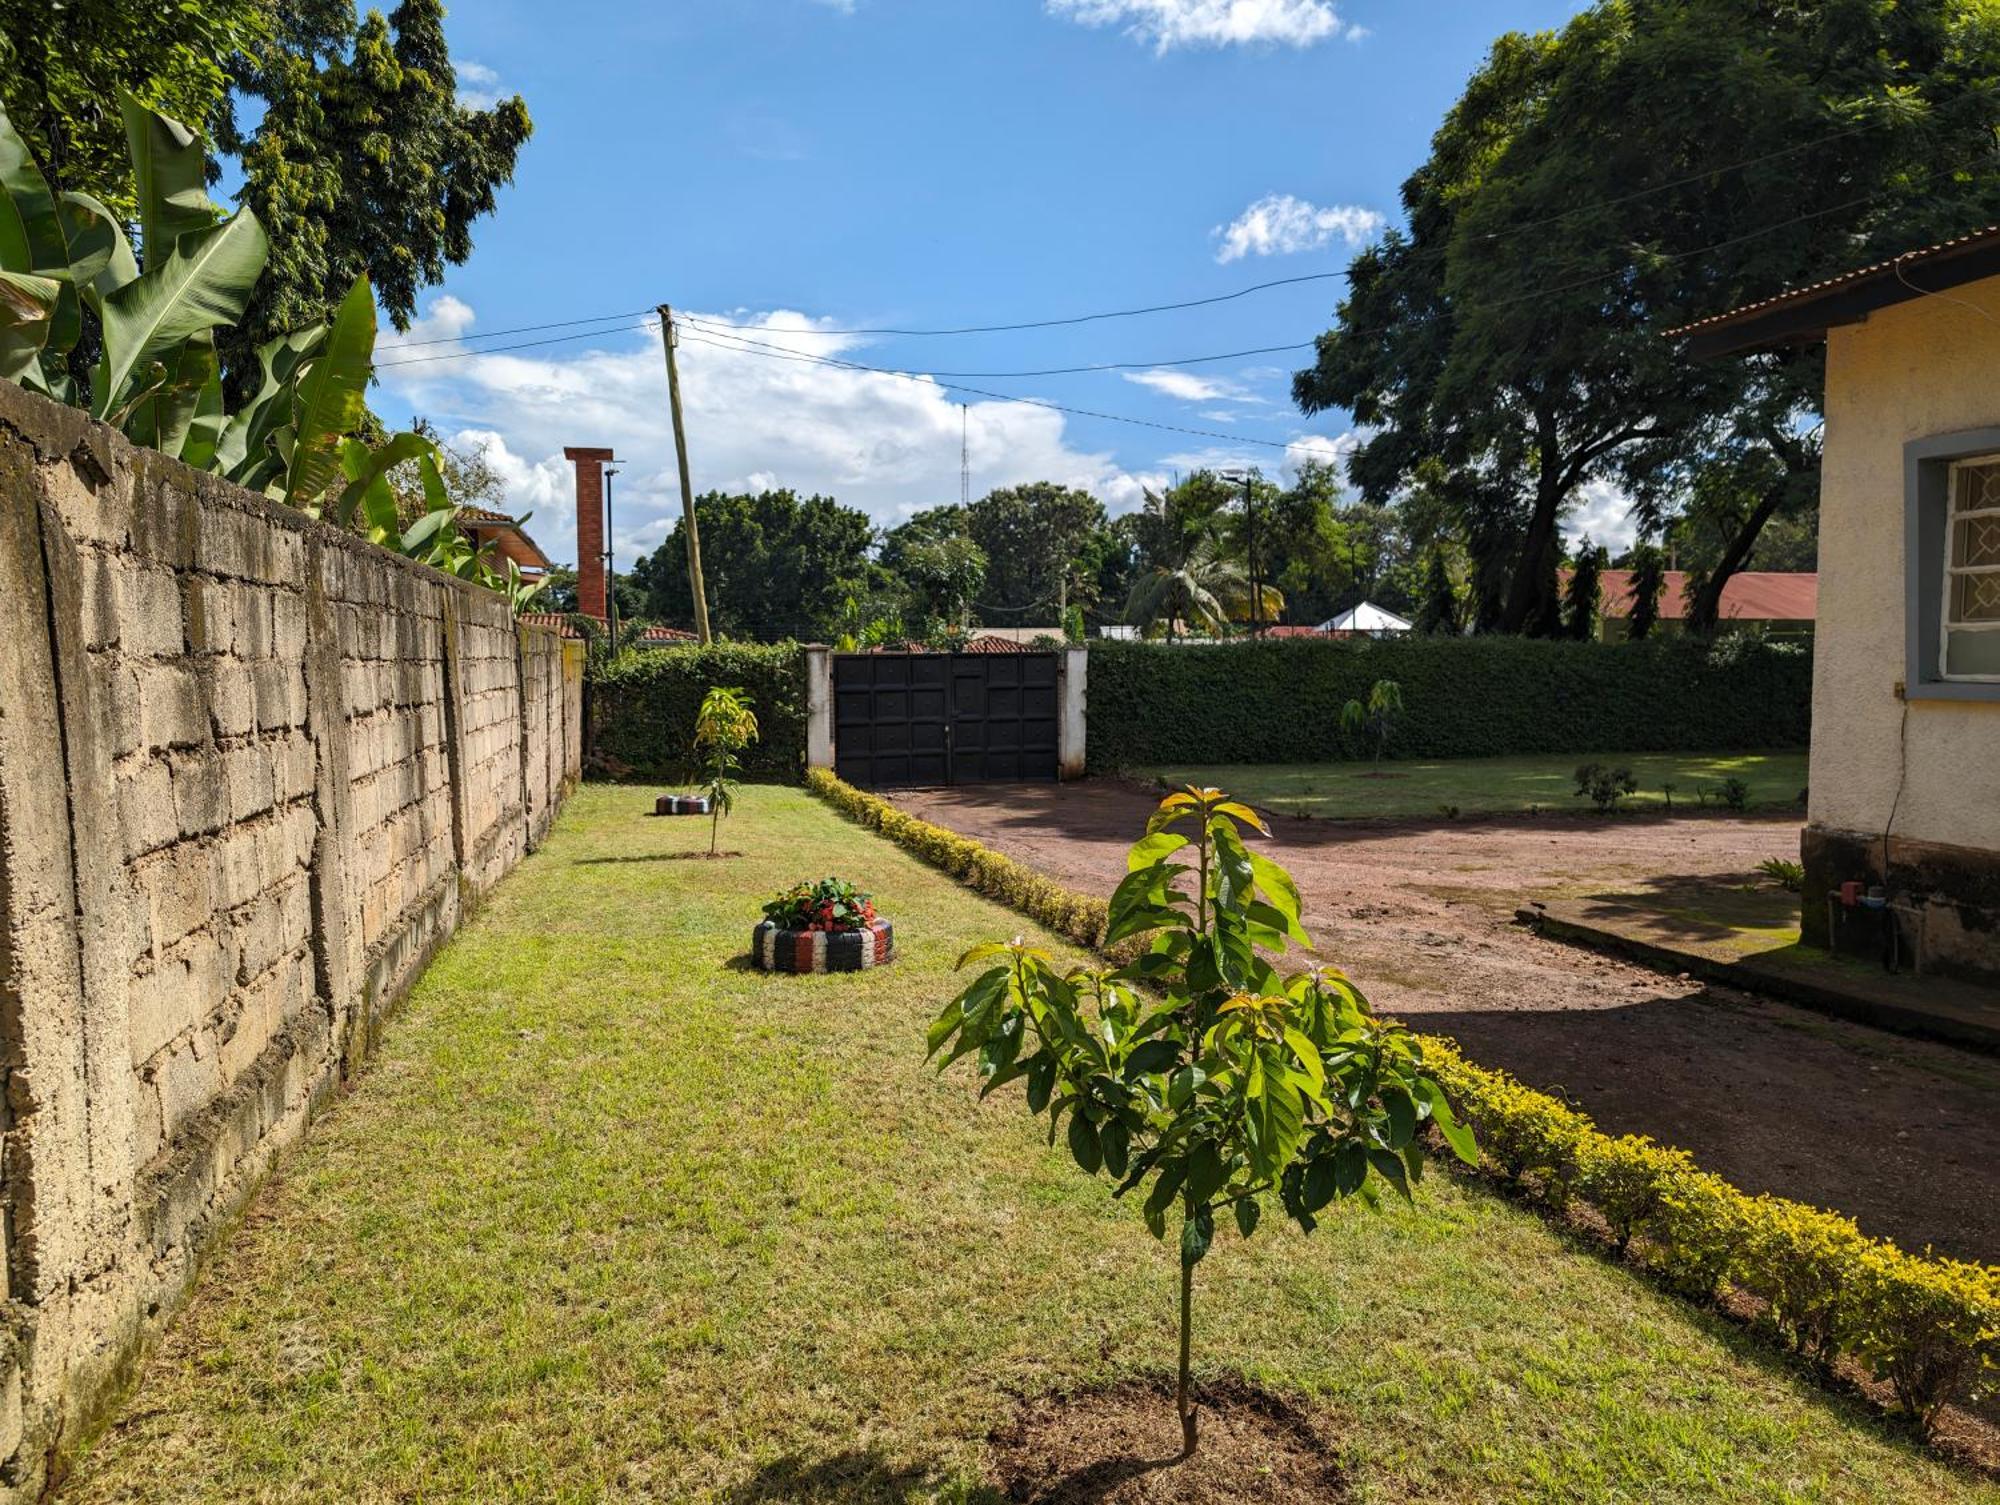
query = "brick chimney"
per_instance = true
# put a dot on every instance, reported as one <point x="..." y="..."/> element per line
<point x="590" y="528"/>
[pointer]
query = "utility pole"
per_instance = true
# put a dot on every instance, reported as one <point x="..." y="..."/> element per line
<point x="1250" y="539"/>
<point x="610" y="564"/>
<point x="695" y="585"/>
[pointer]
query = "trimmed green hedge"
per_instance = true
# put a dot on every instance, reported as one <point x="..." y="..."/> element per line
<point x="1280" y="702"/>
<point x="643" y="704"/>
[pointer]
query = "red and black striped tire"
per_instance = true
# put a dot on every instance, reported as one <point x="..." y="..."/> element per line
<point x="775" y="950"/>
<point x="681" y="804"/>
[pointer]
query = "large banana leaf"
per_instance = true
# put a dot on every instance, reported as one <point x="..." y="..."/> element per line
<point x="162" y="418"/>
<point x="169" y="170"/>
<point x="205" y="430"/>
<point x="31" y="237"/>
<point x="367" y="476"/>
<point x="100" y="259"/>
<point x="27" y="308"/>
<point x="206" y="281"/>
<point x="332" y="397"/>
<point x="243" y="452"/>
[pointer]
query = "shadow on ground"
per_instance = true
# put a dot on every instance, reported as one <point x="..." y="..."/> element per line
<point x="856" y="1477"/>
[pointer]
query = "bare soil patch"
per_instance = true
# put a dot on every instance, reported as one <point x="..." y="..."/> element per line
<point x="1903" y="1135"/>
<point x="1120" y="1445"/>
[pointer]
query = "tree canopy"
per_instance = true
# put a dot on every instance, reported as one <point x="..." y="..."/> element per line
<point x="1652" y="162"/>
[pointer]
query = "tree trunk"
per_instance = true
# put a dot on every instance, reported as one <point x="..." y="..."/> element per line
<point x="1705" y="610"/>
<point x="1184" y="1396"/>
<point x="1527" y="595"/>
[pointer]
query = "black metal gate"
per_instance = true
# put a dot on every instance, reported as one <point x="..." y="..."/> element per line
<point x="903" y="720"/>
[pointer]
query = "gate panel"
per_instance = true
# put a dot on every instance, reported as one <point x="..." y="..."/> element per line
<point x="891" y="714"/>
<point x="925" y="719"/>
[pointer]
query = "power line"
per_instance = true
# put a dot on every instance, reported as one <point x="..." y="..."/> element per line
<point x="459" y="355"/>
<point x="494" y="334"/>
<point x="718" y="331"/>
<point x="776" y="354"/>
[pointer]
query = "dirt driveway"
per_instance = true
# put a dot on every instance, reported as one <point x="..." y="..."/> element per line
<point x="1903" y="1135"/>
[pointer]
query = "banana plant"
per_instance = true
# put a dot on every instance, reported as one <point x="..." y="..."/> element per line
<point x="159" y="378"/>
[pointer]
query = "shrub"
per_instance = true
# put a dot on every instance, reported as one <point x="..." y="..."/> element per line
<point x="1151" y="704"/>
<point x="1605" y="786"/>
<point x="1787" y="874"/>
<point x="642" y="706"/>
<point x="1735" y="793"/>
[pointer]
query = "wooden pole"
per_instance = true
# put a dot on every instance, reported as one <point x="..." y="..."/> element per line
<point x="695" y="584"/>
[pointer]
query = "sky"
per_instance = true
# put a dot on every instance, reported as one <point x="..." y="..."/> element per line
<point x="790" y="175"/>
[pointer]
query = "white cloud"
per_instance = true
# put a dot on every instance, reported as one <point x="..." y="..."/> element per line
<point x="1602" y="512"/>
<point x="478" y="85"/>
<point x="1279" y="224"/>
<point x="884" y="444"/>
<point x="1189" y="387"/>
<point x="1167" y="24"/>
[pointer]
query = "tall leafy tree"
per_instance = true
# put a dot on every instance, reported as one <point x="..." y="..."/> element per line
<point x="1034" y="538"/>
<point x="362" y="159"/>
<point x="776" y="565"/>
<point x="63" y="68"/>
<point x="1655" y="161"/>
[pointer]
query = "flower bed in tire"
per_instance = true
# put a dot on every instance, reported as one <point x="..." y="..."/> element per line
<point x="828" y="926"/>
<point x="777" y="950"/>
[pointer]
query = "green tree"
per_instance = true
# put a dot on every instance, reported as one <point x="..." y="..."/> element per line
<point x="1649" y="580"/>
<point x="1655" y="161"/>
<point x="1186" y="579"/>
<point x="777" y="565"/>
<point x="943" y="577"/>
<point x="1232" y="1089"/>
<point x="1584" y="598"/>
<point x="1034" y="538"/>
<point x="63" y="68"/>
<point x="723" y="727"/>
<point x="361" y="160"/>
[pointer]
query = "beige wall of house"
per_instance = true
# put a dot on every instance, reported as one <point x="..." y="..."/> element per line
<point x="1930" y="366"/>
<point x="1913" y="371"/>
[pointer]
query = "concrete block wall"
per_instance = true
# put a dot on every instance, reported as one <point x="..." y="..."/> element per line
<point x="252" y="772"/>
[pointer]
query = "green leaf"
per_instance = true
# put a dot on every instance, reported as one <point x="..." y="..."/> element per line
<point x="1321" y="1184"/>
<point x="1150" y="850"/>
<point x="1390" y="1167"/>
<point x="1183" y="1085"/>
<point x="426" y="530"/>
<point x="1276" y="1121"/>
<point x="207" y="281"/>
<point x="1152" y="1057"/>
<point x="1456" y="1134"/>
<point x="1083" y="1144"/>
<point x="1197" y="1233"/>
<point x="169" y="169"/>
<point x="100" y="259"/>
<point x="1041" y="1081"/>
<point x="980" y="952"/>
<point x="246" y="446"/>
<point x="1248" y="1211"/>
<point x="205" y="428"/>
<point x="332" y="397"/>
<point x="32" y="244"/>
<point x="1402" y="1115"/>
<point x="27" y="308"/>
<point x="1350" y="1167"/>
<point x="1277" y="886"/>
<point x="1172" y="1176"/>
<point x="1205" y="1171"/>
<point x="1116" y="1141"/>
<point x="161" y="419"/>
<point x="373" y="466"/>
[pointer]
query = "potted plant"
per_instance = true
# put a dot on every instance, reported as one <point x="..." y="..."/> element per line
<point x="828" y="926"/>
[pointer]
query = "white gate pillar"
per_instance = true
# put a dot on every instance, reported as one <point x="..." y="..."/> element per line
<point x="1069" y="713"/>
<point x="819" y="706"/>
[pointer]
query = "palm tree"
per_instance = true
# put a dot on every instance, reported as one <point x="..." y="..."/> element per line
<point x="1190" y="583"/>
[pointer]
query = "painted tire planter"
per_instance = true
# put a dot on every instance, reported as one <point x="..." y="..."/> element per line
<point x="681" y="804"/>
<point x="777" y="950"/>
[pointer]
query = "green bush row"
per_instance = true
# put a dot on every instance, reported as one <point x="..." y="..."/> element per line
<point x="1929" y="1327"/>
<point x="642" y="706"/>
<point x="1280" y="701"/>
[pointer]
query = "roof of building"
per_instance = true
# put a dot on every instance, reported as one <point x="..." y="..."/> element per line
<point x="506" y="535"/>
<point x="1747" y="596"/>
<point x="1291" y="630"/>
<point x="659" y="633"/>
<point x="1367" y="617"/>
<point x="1804" y="314"/>
<point x="556" y="619"/>
<point x="988" y="642"/>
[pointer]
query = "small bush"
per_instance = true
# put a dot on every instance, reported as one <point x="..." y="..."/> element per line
<point x="1605" y="786"/>
<point x="1789" y="875"/>
<point x="1735" y="794"/>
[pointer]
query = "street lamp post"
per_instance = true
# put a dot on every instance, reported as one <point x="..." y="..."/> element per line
<point x="610" y="564"/>
<point x="1248" y="477"/>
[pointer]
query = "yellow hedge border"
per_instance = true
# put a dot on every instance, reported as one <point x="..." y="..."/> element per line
<point x="1928" y="1326"/>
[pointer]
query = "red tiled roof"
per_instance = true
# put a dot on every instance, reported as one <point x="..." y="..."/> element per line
<point x="995" y="645"/>
<point x="1748" y="596"/>
<point x="1291" y="630"/>
<point x="556" y="619"/>
<point x="662" y="634"/>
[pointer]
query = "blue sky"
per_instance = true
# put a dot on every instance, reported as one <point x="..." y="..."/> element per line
<point x="796" y="169"/>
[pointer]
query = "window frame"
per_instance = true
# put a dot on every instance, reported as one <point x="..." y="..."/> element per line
<point x="1953" y="514"/>
<point x="1929" y="469"/>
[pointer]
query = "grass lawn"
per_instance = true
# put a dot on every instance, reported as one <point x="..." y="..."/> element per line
<point x="612" y="1217"/>
<point x="1487" y="786"/>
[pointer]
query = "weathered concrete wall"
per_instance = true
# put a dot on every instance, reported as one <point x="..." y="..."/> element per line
<point x="252" y="771"/>
<point x="1912" y="786"/>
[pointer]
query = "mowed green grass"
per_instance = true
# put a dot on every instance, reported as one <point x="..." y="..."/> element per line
<point x="1492" y="786"/>
<point x="612" y="1218"/>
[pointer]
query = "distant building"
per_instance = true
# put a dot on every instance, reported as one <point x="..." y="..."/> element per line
<point x="1784" y="602"/>
<point x="1905" y="781"/>
<point x="500" y="538"/>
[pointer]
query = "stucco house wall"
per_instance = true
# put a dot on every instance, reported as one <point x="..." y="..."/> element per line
<point x="1922" y="772"/>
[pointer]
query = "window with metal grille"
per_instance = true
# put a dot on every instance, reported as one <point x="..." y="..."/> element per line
<point x="1970" y="621"/>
